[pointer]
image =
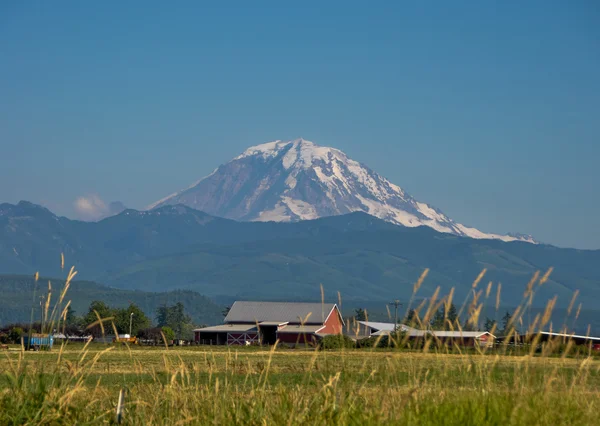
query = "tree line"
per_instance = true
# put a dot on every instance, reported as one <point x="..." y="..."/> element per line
<point x="100" y="319"/>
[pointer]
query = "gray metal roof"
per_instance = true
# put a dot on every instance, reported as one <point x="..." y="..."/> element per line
<point x="300" y="329"/>
<point x="228" y="328"/>
<point x="458" y="334"/>
<point x="386" y="326"/>
<point x="412" y="332"/>
<point x="255" y="312"/>
<point x="379" y="326"/>
<point x="273" y="323"/>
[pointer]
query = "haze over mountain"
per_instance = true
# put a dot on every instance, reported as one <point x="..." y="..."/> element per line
<point x="362" y="257"/>
<point x="286" y="181"/>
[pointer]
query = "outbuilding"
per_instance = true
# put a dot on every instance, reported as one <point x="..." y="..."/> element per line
<point x="292" y="323"/>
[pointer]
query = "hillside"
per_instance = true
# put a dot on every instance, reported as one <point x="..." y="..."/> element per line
<point x="364" y="258"/>
<point x="366" y="265"/>
<point x="17" y="293"/>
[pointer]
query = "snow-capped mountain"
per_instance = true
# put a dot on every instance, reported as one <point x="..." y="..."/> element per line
<point x="299" y="180"/>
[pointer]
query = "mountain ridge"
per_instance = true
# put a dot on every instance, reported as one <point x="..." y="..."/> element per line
<point x="361" y="256"/>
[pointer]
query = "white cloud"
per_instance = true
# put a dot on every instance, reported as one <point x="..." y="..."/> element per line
<point x="90" y="207"/>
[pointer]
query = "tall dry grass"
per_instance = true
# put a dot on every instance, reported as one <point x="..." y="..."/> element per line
<point x="431" y="382"/>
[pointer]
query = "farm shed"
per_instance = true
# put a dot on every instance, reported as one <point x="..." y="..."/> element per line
<point x="384" y="328"/>
<point x="462" y="338"/>
<point x="291" y="323"/>
<point x="545" y="336"/>
<point x="465" y="338"/>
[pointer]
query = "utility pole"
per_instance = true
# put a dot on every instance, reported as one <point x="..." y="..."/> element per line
<point x="395" y="304"/>
<point x="130" y="323"/>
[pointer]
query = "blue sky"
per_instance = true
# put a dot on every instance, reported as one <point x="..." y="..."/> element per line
<point x="489" y="111"/>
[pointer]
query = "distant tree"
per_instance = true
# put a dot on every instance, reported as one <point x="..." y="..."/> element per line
<point x="452" y="317"/>
<point x="489" y="324"/>
<point x="123" y="316"/>
<point x="468" y="325"/>
<point x="98" y="306"/>
<point x="15" y="335"/>
<point x="437" y="322"/>
<point x="70" y="317"/>
<point x="90" y="317"/>
<point x="411" y="318"/>
<point x="506" y="322"/>
<point x="179" y="321"/>
<point x="168" y="333"/>
<point x="225" y="311"/>
<point x="162" y="315"/>
<point x="175" y="318"/>
<point x="360" y="314"/>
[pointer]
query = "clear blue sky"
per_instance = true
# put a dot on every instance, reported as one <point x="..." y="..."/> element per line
<point x="489" y="111"/>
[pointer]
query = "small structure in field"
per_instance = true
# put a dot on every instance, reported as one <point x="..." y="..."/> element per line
<point x="38" y="341"/>
<point x="549" y="336"/>
<point x="367" y="329"/>
<point x="265" y="323"/>
<point x="464" y="338"/>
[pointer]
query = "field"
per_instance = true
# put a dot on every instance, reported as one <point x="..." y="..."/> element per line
<point x="208" y="385"/>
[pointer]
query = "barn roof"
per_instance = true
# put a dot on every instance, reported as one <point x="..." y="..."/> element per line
<point x="300" y="329"/>
<point x="412" y="332"/>
<point x="229" y="328"/>
<point x="379" y="326"/>
<point x="291" y="312"/>
<point x="574" y="336"/>
<point x="387" y="326"/>
<point x="459" y="333"/>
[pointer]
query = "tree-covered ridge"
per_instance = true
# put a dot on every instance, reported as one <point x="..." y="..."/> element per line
<point x="17" y="291"/>
<point x="362" y="257"/>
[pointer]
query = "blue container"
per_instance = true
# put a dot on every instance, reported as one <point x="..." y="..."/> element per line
<point x="38" y="341"/>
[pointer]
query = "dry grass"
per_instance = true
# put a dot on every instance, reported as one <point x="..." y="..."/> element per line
<point x="77" y="384"/>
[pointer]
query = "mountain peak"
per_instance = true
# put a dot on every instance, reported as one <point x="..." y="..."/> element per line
<point x="299" y="180"/>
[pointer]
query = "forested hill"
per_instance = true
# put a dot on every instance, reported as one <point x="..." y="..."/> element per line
<point x="17" y="298"/>
<point x="360" y="256"/>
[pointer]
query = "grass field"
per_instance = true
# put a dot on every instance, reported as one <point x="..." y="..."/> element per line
<point x="203" y="385"/>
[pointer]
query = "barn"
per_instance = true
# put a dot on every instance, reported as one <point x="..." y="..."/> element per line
<point x="291" y="323"/>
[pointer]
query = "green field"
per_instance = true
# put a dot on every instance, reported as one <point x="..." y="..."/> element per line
<point x="208" y="385"/>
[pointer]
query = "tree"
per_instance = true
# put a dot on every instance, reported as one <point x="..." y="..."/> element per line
<point x="139" y="320"/>
<point x="168" y="333"/>
<point x="72" y="320"/>
<point x="411" y="318"/>
<point x="179" y="320"/>
<point x="176" y="319"/>
<point x="162" y="315"/>
<point x="437" y="322"/>
<point x="506" y="322"/>
<point x="101" y="308"/>
<point x="360" y="314"/>
<point x="15" y="335"/>
<point x="104" y="312"/>
<point x="452" y="316"/>
<point x="489" y="324"/>
<point x="468" y="325"/>
<point x="225" y="311"/>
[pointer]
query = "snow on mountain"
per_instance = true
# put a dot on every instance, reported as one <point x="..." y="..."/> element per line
<point x="299" y="180"/>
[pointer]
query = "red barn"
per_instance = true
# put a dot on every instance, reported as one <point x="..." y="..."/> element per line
<point x="266" y="322"/>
